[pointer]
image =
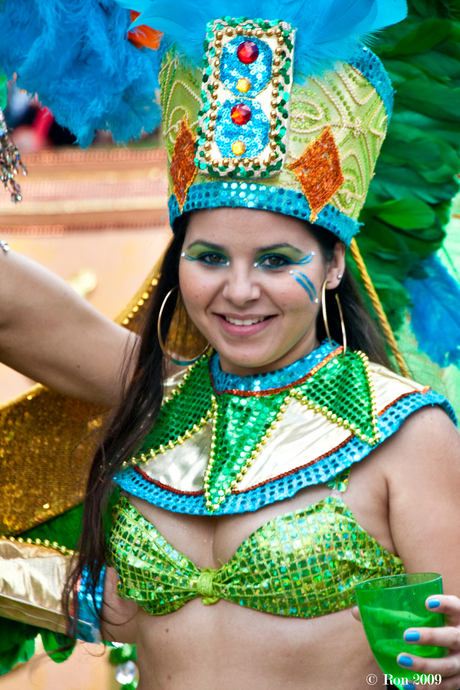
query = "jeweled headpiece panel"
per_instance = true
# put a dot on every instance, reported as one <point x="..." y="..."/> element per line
<point x="247" y="82"/>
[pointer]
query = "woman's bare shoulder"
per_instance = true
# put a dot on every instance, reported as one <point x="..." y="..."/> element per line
<point x="421" y="464"/>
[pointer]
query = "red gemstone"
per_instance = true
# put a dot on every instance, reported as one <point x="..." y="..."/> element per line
<point x="247" y="52"/>
<point x="240" y="114"/>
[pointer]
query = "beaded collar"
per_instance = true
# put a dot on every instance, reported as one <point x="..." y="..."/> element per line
<point x="273" y="379"/>
<point x="331" y="383"/>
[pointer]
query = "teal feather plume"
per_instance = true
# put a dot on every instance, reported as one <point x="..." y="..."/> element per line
<point x="435" y="313"/>
<point x="75" y="55"/>
<point x="326" y="31"/>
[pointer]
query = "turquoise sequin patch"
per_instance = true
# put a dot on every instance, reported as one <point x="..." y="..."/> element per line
<point x="254" y="134"/>
<point x="371" y="67"/>
<point x="224" y="381"/>
<point x="257" y="72"/>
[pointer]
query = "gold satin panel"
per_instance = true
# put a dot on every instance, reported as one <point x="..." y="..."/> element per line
<point x="32" y="579"/>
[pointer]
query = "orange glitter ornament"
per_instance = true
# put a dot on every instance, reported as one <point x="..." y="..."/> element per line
<point x="319" y="172"/>
<point x="182" y="168"/>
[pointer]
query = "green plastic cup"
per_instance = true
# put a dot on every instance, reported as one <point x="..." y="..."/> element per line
<point x="390" y="605"/>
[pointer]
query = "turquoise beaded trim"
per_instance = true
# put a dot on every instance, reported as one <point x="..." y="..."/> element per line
<point x="271" y="379"/>
<point x="88" y="627"/>
<point x="218" y="194"/>
<point x="372" y="68"/>
<point x="135" y="482"/>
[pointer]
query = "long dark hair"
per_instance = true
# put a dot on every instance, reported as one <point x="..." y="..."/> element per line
<point x="143" y="395"/>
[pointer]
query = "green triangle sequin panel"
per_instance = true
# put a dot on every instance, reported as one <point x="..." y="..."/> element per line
<point x="242" y="422"/>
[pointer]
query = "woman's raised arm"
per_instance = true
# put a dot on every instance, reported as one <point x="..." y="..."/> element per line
<point x="52" y="335"/>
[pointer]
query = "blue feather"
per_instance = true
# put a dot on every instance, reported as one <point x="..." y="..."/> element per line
<point x="435" y="318"/>
<point x="327" y="30"/>
<point x="75" y="55"/>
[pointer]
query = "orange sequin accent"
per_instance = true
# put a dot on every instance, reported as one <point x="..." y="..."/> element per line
<point x="319" y="172"/>
<point x="144" y="36"/>
<point x="183" y="168"/>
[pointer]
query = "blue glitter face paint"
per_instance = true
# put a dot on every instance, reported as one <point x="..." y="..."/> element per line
<point x="306" y="260"/>
<point x="211" y="255"/>
<point x="306" y="283"/>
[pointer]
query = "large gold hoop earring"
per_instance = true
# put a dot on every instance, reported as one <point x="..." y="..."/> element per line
<point x="342" y="325"/>
<point x="326" y="323"/>
<point x="178" y="362"/>
<point x="324" y="310"/>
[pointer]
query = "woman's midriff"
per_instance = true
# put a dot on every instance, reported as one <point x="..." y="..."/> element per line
<point x="227" y="647"/>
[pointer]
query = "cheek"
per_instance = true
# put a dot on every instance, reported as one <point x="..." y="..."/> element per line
<point x="197" y="290"/>
<point x="298" y="292"/>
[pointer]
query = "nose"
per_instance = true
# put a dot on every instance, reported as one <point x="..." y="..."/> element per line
<point x="241" y="286"/>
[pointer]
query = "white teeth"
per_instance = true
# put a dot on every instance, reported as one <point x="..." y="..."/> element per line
<point x="243" y="322"/>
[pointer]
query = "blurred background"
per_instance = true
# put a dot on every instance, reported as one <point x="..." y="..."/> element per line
<point x="98" y="218"/>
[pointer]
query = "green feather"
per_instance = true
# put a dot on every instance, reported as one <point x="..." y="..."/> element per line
<point x="415" y="180"/>
<point x="3" y="91"/>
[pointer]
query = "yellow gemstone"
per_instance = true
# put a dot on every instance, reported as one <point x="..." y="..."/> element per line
<point x="243" y="85"/>
<point x="238" y="148"/>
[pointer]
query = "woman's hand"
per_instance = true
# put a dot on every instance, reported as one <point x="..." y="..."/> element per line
<point x="448" y="636"/>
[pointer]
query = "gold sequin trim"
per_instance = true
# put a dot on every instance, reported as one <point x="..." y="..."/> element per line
<point x="40" y="542"/>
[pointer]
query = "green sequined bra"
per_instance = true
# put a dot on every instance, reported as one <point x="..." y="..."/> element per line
<point x="302" y="564"/>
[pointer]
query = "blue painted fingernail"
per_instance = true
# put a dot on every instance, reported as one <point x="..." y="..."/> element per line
<point x="412" y="636"/>
<point x="434" y="603"/>
<point x="405" y="661"/>
<point x="409" y="686"/>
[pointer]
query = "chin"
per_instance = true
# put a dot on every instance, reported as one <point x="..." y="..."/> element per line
<point x="253" y="359"/>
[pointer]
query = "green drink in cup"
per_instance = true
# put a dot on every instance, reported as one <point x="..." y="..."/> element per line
<point x="388" y="607"/>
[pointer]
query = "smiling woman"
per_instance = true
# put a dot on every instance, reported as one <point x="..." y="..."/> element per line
<point x="252" y="491"/>
<point x="240" y="291"/>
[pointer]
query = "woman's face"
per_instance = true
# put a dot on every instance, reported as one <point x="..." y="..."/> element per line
<point x="251" y="282"/>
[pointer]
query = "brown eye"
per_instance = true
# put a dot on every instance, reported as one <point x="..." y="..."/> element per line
<point x="214" y="259"/>
<point x="274" y="261"/>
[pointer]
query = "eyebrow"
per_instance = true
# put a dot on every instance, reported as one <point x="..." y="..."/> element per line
<point x="217" y="247"/>
<point x="283" y="245"/>
<point x="270" y="248"/>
